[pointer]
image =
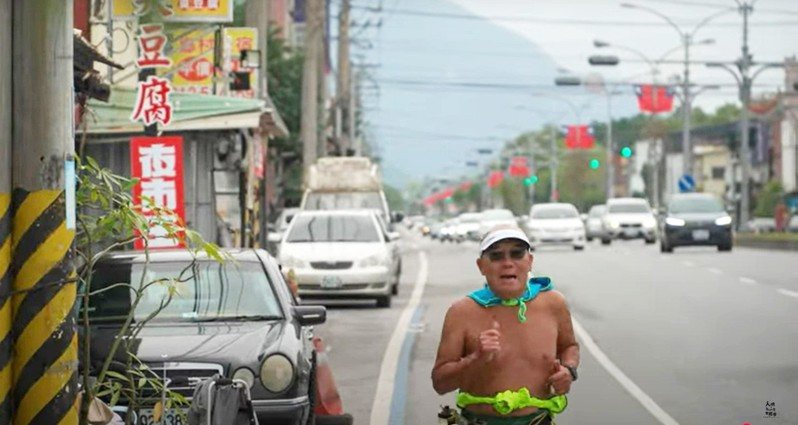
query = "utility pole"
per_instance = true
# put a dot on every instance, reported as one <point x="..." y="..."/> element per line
<point x="554" y="196"/>
<point x="687" y="143"/>
<point x="45" y="332"/>
<point x="343" y="85"/>
<point x="610" y="148"/>
<point x="744" y="82"/>
<point x="354" y="138"/>
<point x="324" y="118"/>
<point x="6" y="315"/>
<point x="309" y="125"/>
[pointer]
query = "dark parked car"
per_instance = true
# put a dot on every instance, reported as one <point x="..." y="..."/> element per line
<point x="695" y="219"/>
<point x="237" y="319"/>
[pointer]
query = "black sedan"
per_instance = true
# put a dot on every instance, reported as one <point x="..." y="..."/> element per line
<point x="695" y="219"/>
<point x="236" y="318"/>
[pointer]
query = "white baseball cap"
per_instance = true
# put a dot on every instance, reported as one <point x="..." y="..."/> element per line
<point x="501" y="234"/>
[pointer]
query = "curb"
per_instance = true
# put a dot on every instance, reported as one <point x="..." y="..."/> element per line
<point x="754" y="242"/>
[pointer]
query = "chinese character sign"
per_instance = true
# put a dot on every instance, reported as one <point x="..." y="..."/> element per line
<point x="158" y="164"/>
<point x="177" y="10"/>
<point x="237" y="40"/>
<point x="193" y="56"/>
<point x="152" y="95"/>
<point x="151" y="44"/>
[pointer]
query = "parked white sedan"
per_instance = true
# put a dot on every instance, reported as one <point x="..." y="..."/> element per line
<point x="341" y="254"/>
<point x="555" y="224"/>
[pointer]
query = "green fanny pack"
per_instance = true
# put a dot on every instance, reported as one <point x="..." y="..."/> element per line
<point x="509" y="401"/>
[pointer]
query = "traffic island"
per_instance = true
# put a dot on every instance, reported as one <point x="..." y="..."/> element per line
<point x="778" y="241"/>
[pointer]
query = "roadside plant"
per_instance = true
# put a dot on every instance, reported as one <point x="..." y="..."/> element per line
<point x="109" y="220"/>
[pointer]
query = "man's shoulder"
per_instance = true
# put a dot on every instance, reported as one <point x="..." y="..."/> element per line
<point x="463" y="305"/>
<point x="553" y="298"/>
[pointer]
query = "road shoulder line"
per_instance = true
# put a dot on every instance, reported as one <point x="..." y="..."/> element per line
<point x="383" y="397"/>
<point x="647" y="402"/>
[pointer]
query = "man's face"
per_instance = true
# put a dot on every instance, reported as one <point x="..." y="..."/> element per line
<point x="506" y="266"/>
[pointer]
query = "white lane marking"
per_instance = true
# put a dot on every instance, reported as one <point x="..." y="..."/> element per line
<point x="788" y="293"/>
<point x="381" y="408"/>
<point x="748" y="281"/>
<point x="714" y="270"/>
<point x="659" y="414"/>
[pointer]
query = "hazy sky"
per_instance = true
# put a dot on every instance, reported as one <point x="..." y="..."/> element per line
<point x="448" y="77"/>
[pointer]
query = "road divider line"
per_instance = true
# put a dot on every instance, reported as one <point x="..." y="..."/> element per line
<point x="383" y="397"/>
<point x="748" y="281"/>
<point x="788" y="293"/>
<point x="647" y="402"/>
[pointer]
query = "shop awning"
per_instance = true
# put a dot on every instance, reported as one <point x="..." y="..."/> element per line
<point x="190" y="112"/>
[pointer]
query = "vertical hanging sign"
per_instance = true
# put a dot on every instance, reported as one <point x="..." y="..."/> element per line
<point x="158" y="164"/>
<point x="152" y="95"/>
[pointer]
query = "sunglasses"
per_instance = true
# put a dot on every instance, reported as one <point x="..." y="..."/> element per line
<point x="514" y="254"/>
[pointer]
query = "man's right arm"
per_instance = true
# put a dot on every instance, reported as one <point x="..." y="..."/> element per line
<point x="450" y="363"/>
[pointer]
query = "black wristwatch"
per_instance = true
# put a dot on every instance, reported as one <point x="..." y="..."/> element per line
<point x="572" y="369"/>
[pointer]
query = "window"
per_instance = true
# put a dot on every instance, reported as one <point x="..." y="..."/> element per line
<point x="554" y="213"/>
<point x="718" y="173"/>
<point x="333" y="228"/>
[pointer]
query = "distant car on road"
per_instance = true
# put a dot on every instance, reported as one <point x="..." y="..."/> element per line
<point x="495" y="217"/>
<point x="594" y="226"/>
<point x="237" y="319"/>
<point x="629" y="218"/>
<point x="555" y="224"/>
<point x="695" y="219"/>
<point x="341" y="254"/>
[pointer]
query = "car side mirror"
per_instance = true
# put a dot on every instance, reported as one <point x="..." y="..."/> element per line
<point x="394" y="236"/>
<point x="309" y="315"/>
<point x="397" y="217"/>
<point x="583" y="217"/>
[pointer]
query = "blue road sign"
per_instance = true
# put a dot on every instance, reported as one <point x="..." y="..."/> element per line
<point x="686" y="183"/>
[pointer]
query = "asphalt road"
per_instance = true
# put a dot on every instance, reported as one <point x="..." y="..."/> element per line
<point x="693" y="337"/>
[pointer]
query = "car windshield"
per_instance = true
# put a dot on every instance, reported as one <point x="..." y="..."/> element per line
<point x="695" y="205"/>
<point x="554" y="213"/>
<point x="200" y="291"/>
<point x="597" y="211"/>
<point x="333" y="228"/>
<point x="343" y="201"/>
<point x="629" y="208"/>
<point x="497" y="215"/>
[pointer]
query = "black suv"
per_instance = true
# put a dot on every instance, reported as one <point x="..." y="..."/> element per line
<point x="237" y="319"/>
<point x="695" y="219"/>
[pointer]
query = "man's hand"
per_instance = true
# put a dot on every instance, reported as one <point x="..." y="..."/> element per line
<point x="489" y="343"/>
<point x="560" y="379"/>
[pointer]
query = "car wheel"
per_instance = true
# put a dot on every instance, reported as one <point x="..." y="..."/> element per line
<point x="605" y="241"/>
<point x="725" y="247"/>
<point x="312" y="393"/>
<point x="590" y="238"/>
<point x="579" y="247"/>
<point x="384" y="301"/>
<point x="664" y="247"/>
<point x="395" y="288"/>
<point x="650" y="241"/>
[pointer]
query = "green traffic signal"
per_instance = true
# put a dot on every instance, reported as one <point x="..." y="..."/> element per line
<point x="626" y="151"/>
<point x="594" y="164"/>
<point x="530" y="180"/>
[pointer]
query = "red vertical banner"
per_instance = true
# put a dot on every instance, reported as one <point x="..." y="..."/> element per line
<point x="579" y="137"/>
<point x="654" y="99"/>
<point x="519" y="167"/>
<point x="158" y="164"/>
<point x="495" y="178"/>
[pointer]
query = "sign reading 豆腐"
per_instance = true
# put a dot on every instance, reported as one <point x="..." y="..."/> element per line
<point x="152" y="95"/>
<point x="158" y="164"/>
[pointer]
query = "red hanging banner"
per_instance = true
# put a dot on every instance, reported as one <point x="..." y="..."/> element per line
<point x="654" y="99"/>
<point x="579" y="137"/>
<point x="518" y="167"/>
<point x="158" y="164"/>
<point x="495" y="178"/>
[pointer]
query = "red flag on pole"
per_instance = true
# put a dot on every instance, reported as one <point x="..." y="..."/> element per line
<point x="495" y="178"/>
<point x="579" y="137"/>
<point x="518" y="167"/>
<point x="654" y="99"/>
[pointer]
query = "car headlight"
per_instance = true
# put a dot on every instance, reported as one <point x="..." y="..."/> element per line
<point x="372" y="260"/>
<point x="292" y="262"/>
<point x="245" y="375"/>
<point x="649" y="223"/>
<point x="276" y="373"/>
<point x="723" y="221"/>
<point x="673" y="221"/>
<point x="612" y="224"/>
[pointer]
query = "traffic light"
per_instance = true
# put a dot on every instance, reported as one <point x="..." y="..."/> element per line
<point x="594" y="164"/>
<point x="626" y="152"/>
<point x="530" y="180"/>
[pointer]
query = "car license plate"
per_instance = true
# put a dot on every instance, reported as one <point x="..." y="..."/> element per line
<point x="700" y="235"/>
<point x="170" y="417"/>
<point x="331" y="282"/>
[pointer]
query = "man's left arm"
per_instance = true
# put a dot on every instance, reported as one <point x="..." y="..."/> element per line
<point x="567" y="347"/>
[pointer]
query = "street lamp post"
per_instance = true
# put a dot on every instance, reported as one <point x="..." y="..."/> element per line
<point x="686" y="39"/>
<point x="744" y="83"/>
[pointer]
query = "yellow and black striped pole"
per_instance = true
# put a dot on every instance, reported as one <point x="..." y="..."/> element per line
<point x="6" y="315"/>
<point x="44" y="334"/>
<point x="45" y="345"/>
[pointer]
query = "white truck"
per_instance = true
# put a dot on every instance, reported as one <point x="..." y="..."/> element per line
<point x="335" y="183"/>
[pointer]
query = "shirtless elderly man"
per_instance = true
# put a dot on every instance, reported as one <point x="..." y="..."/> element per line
<point x="509" y="348"/>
